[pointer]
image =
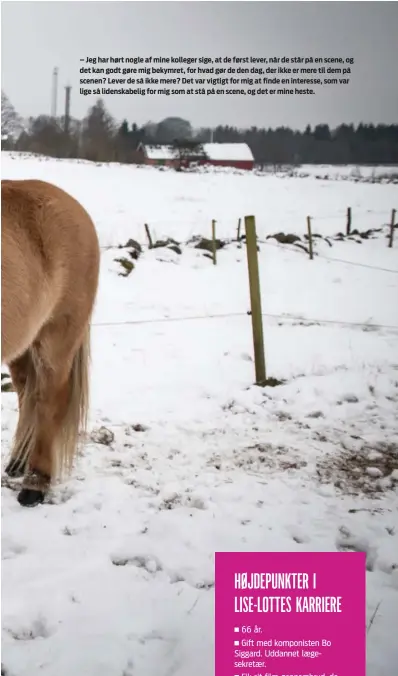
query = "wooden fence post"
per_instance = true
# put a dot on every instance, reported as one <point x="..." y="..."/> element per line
<point x="310" y="249"/>
<point x="213" y="238"/>
<point x="255" y="299"/>
<point x="238" y="233"/>
<point x="392" y="226"/>
<point x="348" y="229"/>
<point x="148" y="234"/>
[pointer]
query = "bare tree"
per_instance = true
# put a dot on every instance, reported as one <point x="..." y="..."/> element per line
<point x="11" y="123"/>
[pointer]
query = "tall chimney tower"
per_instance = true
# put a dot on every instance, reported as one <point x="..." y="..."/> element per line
<point x="54" y="93"/>
<point x="67" y="109"/>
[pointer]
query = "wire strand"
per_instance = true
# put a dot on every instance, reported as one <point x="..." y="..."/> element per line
<point x="224" y="315"/>
<point x="335" y="260"/>
<point x="358" y="265"/>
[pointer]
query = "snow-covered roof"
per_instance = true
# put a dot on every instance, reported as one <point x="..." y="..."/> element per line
<point x="160" y="152"/>
<point x="228" y="151"/>
<point x="213" y="151"/>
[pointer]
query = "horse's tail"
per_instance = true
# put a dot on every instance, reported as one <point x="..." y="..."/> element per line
<point x="75" y="421"/>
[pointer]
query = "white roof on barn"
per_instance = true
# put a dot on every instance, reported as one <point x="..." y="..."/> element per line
<point x="228" y="151"/>
<point x="214" y="151"/>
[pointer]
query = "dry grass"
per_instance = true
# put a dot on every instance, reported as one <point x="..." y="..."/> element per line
<point x="364" y="471"/>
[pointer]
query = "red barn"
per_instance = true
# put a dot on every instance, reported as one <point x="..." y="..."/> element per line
<point x="237" y="155"/>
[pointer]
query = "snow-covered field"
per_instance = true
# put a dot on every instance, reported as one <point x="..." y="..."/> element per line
<point x="114" y="575"/>
<point x="340" y="172"/>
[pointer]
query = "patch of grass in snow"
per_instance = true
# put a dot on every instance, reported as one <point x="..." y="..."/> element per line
<point x="151" y="564"/>
<point x="316" y="414"/>
<point x="206" y="244"/>
<point x="355" y="235"/>
<point x="285" y="238"/>
<point x="137" y="427"/>
<point x="260" y="456"/>
<point x="168" y="243"/>
<point x="134" y="246"/>
<point x="299" y="323"/>
<point x="127" y="266"/>
<point x="291" y="238"/>
<point x="102" y="436"/>
<point x="271" y="382"/>
<point x="371" y="470"/>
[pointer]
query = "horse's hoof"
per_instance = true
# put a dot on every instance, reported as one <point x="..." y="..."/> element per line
<point x="15" y="469"/>
<point x="29" y="497"/>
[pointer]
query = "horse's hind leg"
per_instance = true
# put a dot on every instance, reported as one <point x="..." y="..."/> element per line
<point x="51" y="408"/>
<point x="56" y="357"/>
<point x="20" y="370"/>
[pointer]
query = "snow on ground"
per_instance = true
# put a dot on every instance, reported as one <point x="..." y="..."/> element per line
<point x="122" y="198"/>
<point x="349" y="172"/>
<point x="114" y="575"/>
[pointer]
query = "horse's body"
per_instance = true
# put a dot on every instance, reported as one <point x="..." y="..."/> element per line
<point x="49" y="278"/>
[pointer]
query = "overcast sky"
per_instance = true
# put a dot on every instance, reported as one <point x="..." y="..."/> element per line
<point x="37" y="36"/>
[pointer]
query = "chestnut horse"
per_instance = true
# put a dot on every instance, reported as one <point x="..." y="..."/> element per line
<point x="50" y="260"/>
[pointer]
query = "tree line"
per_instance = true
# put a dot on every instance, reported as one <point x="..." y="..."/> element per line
<point x="98" y="137"/>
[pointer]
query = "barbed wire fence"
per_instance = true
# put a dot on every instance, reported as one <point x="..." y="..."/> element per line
<point x="284" y="317"/>
<point x="197" y="226"/>
<point x="225" y="315"/>
<point x="280" y="318"/>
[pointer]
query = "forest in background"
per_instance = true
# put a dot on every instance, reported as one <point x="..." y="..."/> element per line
<point x="99" y="137"/>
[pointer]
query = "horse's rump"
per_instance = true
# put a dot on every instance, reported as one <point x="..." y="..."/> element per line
<point x="50" y="268"/>
<point x="50" y="260"/>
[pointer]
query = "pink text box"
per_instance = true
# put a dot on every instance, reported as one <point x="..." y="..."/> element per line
<point x="288" y="614"/>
